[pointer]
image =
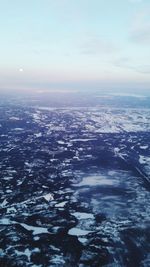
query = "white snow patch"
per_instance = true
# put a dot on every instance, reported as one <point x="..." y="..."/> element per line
<point x="14" y="118"/>
<point x="36" y="238"/>
<point x="38" y="134"/>
<point x="78" y="232"/>
<point x="7" y="178"/>
<point x="61" y="142"/>
<point x="144" y="147"/>
<point x="57" y="260"/>
<point x="5" y="221"/>
<point x="83" y="240"/>
<point x="54" y="248"/>
<point x="8" y="191"/>
<point x="82" y="140"/>
<point x="83" y="215"/>
<point x="61" y="204"/>
<point x="111" y="173"/>
<point x="11" y="210"/>
<point x="95" y="180"/>
<point x="144" y="160"/>
<point x="36" y="230"/>
<point x="18" y="129"/>
<point x="48" y="197"/>
<point x="27" y="252"/>
<point x="4" y="203"/>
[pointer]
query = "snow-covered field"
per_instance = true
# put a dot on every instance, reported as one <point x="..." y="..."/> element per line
<point x="74" y="187"/>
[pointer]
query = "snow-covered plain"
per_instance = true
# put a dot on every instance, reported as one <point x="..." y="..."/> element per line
<point x="74" y="186"/>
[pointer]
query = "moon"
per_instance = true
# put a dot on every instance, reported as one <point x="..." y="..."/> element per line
<point x="21" y="70"/>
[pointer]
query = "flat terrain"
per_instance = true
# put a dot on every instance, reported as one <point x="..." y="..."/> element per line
<point x="74" y="186"/>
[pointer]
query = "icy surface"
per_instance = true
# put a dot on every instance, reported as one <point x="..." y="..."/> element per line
<point x="95" y="181"/>
<point x="74" y="186"/>
<point x="35" y="230"/>
<point x="48" y="197"/>
<point x="83" y="215"/>
<point x="78" y="232"/>
<point x="61" y="205"/>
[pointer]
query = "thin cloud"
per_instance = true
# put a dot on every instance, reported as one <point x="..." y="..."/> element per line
<point x="97" y="45"/>
<point x="144" y="69"/>
<point x="135" y="1"/>
<point x="127" y="63"/>
<point x="140" y="28"/>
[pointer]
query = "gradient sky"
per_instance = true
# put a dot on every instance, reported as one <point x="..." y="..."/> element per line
<point x="53" y="44"/>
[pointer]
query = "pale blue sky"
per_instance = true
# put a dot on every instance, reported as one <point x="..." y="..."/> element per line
<point x="45" y="44"/>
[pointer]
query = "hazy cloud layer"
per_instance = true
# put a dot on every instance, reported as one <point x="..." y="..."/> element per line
<point x="130" y="64"/>
<point x="140" y="28"/>
<point x="135" y="1"/>
<point x="97" y="45"/>
<point x="58" y="41"/>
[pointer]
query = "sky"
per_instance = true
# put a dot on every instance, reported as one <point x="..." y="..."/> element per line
<point x="74" y="44"/>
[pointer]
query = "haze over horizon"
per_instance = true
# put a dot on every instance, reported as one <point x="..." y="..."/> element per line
<point x="75" y="45"/>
